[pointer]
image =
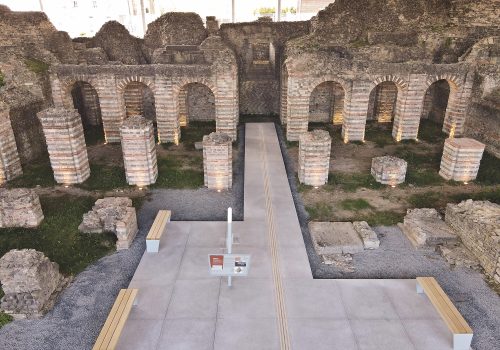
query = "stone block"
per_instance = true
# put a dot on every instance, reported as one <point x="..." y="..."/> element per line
<point x="389" y="170"/>
<point x="10" y="164"/>
<point x="139" y="151"/>
<point x="218" y="161"/>
<point x="20" y="207"/>
<point x="314" y="157"/>
<point x="368" y="236"/>
<point x="478" y="225"/>
<point x="112" y="214"/>
<point x="335" y="238"/>
<point x="461" y="159"/>
<point x="29" y="280"/>
<point x="65" y="140"/>
<point x="425" y="228"/>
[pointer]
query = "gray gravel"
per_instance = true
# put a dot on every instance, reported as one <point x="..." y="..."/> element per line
<point x="82" y="308"/>
<point x="396" y="258"/>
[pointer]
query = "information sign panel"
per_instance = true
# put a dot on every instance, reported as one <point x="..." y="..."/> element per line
<point x="229" y="264"/>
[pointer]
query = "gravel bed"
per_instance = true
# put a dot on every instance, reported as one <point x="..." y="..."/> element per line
<point x="396" y="258"/>
<point x="82" y="308"/>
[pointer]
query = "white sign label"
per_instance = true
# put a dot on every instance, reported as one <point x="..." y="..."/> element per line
<point x="229" y="264"/>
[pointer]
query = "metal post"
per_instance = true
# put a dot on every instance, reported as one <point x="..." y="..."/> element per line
<point x="279" y="10"/>
<point x="233" y="12"/>
<point x="229" y="237"/>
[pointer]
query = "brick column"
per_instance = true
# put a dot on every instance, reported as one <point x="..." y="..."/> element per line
<point x="10" y="165"/>
<point x="314" y="157"/>
<point x="458" y="102"/>
<point x="167" y="106"/>
<point x="112" y="108"/>
<point x="218" y="161"/>
<point x="63" y="132"/>
<point x="407" y="120"/>
<point x="353" y="127"/>
<point x="297" y="109"/>
<point x="139" y="151"/>
<point x="461" y="159"/>
<point x="226" y="105"/>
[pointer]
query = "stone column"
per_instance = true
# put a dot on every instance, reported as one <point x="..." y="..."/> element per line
<point x="139" y="151"/>
<point x="314" y="157"/>
<point x="461" y="159"/>
<point x="218" y="161"/>
<point x="10" y="165"/>
<point x="297" y="109"/>
<point x="63" y="132"/>
<point x="167" y="105"/>
<point x="112" y="106"/>
<point x="226" y="103"/>
<point x="406" y="123"/>
<point x="353" y="127"/>
<point x="389" y="170"/>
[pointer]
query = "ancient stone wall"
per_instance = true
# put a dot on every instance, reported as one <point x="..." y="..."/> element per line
<point x="259" y="48"/>
<point x="478" y="225"/>
<point x="63" y="132"/>
<point x="10" y="165"/>
<point x="20" y="207"/>
<point x="139" y="151"/>
<point x="200" y="103"/>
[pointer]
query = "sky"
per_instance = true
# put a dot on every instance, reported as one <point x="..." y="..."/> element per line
<point x="86" y="18"/>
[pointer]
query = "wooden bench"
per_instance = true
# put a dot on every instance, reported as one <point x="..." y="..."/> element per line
<point x="462" y="333"/>
<point x="154" y="235"/>
<point x="110" y="332"/>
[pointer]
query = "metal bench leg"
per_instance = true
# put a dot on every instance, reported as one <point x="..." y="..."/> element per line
<point x="462" y="341"/>
<point x="420" y="290"/>
<point x="152" y="245"/>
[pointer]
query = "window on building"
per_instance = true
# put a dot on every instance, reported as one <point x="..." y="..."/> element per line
<point x="75" y="3"/>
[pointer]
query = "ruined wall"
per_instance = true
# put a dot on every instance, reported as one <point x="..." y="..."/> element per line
<point x="200" y="103"/>
<point x="259" y="49"/>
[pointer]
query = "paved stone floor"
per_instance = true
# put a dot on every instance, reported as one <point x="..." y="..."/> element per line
<point x="279" y="305"/>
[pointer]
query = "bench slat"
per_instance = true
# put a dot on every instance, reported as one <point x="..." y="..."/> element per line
<point x="158" y="227"/>
<point x="110" y="332"/>
<point x="443" y="304"/>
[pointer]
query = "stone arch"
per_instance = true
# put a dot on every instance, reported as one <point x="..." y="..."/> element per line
<point x="327" y="102"/>
<point x="68" y="84"/>
<point x="453" y="116"/>
<point x="80" y="94"/>
<point x="196" y="103"/>
<point x="138" y="96"/>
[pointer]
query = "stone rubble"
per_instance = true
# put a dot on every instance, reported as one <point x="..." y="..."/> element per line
<point x="461" y="159"/>
<point x="20" y="207"/>
<point x="314" y="157"/>
<point x="368" y="236"/>
<point x="478" y="225"/>
<point x="389" y="170"/>
<point x="218" y="161"/>
<point x="425" y="228"/>
<point x="10" y="164"/>
<point x="459" y="255"/>
<point x="29" y="280"/>
<point x="335" y="238"/>
<point x="139" y="151"/>
<point x="112" y="214"/>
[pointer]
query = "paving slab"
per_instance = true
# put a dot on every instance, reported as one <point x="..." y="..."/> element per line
<point x="335" y="238"/>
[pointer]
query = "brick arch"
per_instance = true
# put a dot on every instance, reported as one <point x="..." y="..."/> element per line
<point x="122" y="84"/>
<point x="69" y="83"/>
<point x="181" y="112"/>
<point x="398" y="81"/>
<point x="182" y="84"/>
<point x="454" y="81"/>
<point x="329" y="79"/>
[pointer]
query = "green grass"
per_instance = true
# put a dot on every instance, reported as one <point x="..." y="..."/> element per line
<point x="424" y="200"/>
<point x="36" y="173"/>
<point x="58" y="236"/>
<point x="173" y="174"/>
<point x="489" y="170"/>
<point x="355" y="204"/>
<point x="4" y="319"/>
<point x="104" y="178"/>
<point x="292" y="144"/>
<point x="320" y="212"/>
<point x="380" y="134"/>
<point x="382" y="218"/>
<point x="351" y="182"/>
<point x="94" y="135"/>
<point x="492" y="195"/>
<point x="36" y="66"/>
<point x="422" y="168"/>
<point x="194" y="132"/>
<point x="2" y="81"/>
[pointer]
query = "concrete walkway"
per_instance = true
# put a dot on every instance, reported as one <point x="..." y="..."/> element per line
<point x="279" y="305"/>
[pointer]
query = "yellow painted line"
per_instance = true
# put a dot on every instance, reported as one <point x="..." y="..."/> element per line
<point x="275" y="261"/>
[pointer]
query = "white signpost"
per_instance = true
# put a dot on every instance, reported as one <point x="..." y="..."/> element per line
<point x="229" y="264"/>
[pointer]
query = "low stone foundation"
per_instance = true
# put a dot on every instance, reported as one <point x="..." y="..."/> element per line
<point x="389" y="170"/>
<point x="425" y="229"/>
<point x="63" y="132"/>
<point x="478" y="225"/>
<point x="368" y="236"/>
<point x="29" y="280"/>
<point x="314" y="157"/>
<point x="112" y="214"/>
<point x="218" y="161"/>
<point x="139" y="152"/>
<point x="20" y="207"/>
<point x="10" y="164"/>
<point x="461" y="159"/>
